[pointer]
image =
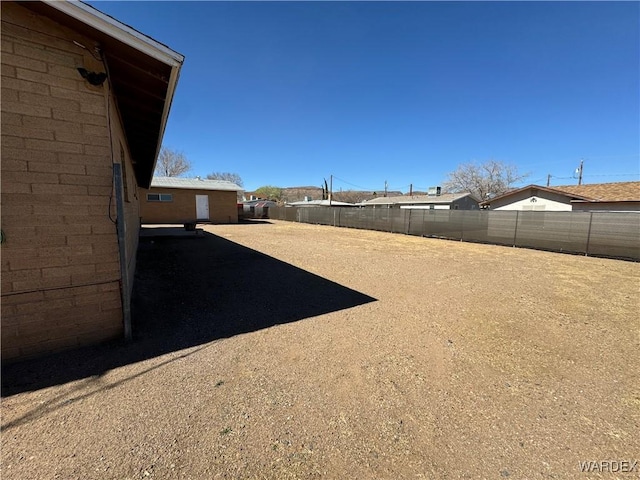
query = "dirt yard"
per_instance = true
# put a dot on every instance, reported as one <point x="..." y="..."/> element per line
<point x="283" y="351"/>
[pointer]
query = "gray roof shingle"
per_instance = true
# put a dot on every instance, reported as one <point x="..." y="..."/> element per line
<point x="445" y="198"/>
<point x="194" y="184"/>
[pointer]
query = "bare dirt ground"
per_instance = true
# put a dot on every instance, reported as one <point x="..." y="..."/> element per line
<point x="281" y="351"/>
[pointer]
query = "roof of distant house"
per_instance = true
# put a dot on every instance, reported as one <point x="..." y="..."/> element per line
<point x="595" y="192"/>
<point x="260" y="202"/>
<point x="442" y="199"/>
<point x="320" y="203"/>
<point x="194" y="184"/>
<point x="605" y="192"/>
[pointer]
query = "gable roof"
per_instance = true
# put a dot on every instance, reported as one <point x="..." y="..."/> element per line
<point x="534" y="187"/>
<point x="605" y="192"/>
<point x="596" y="192"/>
<point x="443" y="199"/>
<point x="143" y="74"/>
<point x="194" y="184"/>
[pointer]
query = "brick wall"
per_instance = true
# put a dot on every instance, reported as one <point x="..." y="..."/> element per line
<point x="60" y="262"/>
<point x="223" y="206"/>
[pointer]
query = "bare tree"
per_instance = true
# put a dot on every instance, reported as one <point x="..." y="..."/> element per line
<point x="351" y="196"/>
<point x="230" y="177"/>
<point x="484" y="180"/>
<point x="172" y="163"/>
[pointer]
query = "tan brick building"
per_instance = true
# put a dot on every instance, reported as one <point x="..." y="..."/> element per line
<point x="187" y="200"/>
<point x="85" y="101"/>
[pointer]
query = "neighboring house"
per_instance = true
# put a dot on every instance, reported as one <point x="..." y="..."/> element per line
<point x="320" y="203"/>
<point x="256" y="208"/>
<point x="85" y="101"/>
<point x="445" y="201"/>
<point x="189" y="200"/>
<point x="620" y="196"/>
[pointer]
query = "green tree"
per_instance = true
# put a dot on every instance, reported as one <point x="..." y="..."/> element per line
<point x="270" y="192"/>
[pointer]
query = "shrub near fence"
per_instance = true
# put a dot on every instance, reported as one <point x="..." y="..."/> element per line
<point x="604" y="234"/>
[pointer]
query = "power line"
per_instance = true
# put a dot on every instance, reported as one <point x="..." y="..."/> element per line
<point x="615" y="175"/>
<point x="354" y="185"/>
<point x="612" y="156"/>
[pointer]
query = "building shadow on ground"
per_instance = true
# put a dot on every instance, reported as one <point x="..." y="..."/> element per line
<point x="191" y="290"/>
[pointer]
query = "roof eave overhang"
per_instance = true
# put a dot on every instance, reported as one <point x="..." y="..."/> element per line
<point x="127" y="35"/>
<point x="146" y="46"/>
<point x="162" y="187"/>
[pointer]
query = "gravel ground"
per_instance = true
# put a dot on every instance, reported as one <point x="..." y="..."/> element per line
<point x="279" y="350"/>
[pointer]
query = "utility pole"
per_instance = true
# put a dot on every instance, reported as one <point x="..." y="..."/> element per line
<point x="580" y="172"/>
<point x="411" y="189"/>
<point x="330" y="189"/>
<point x="548" y="179"/>
<point x="385" y="188"/>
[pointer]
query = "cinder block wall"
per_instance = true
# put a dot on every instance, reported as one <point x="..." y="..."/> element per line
<point x="223" y="206"/>
<point x="60" y="263"/>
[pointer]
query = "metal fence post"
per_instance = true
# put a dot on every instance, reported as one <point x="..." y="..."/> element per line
<point x="586" y="250"/>
<point x="515" y="231"/>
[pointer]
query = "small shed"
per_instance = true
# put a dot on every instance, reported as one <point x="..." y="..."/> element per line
<point x="171" y="200"/>
<point x="258" y="208"/>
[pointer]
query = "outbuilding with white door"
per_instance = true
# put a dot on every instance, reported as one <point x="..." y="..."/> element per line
<point x="175" y="200"/>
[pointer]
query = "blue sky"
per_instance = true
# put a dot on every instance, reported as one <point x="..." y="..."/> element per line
<point x="289" y="93"/>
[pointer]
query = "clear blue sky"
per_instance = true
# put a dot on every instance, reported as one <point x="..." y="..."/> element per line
<point x="289" y="93"/>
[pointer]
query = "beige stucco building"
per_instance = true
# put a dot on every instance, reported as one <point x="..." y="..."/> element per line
<point x="76" y="145"/>
<point x="175" y="200"/>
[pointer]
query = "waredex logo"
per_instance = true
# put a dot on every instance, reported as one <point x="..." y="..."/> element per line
<point x="609" y="466"/>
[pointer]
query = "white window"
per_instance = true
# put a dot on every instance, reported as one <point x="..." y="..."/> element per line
<point x="159" y="197"/>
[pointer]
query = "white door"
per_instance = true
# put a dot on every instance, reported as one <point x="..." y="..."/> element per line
<point x="202" y="207"/>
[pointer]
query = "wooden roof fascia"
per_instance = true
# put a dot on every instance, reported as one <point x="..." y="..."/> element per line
<point x="117" y="30"/>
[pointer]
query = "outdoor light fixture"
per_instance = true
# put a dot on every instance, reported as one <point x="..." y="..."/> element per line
<point x="93" y="78"/>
